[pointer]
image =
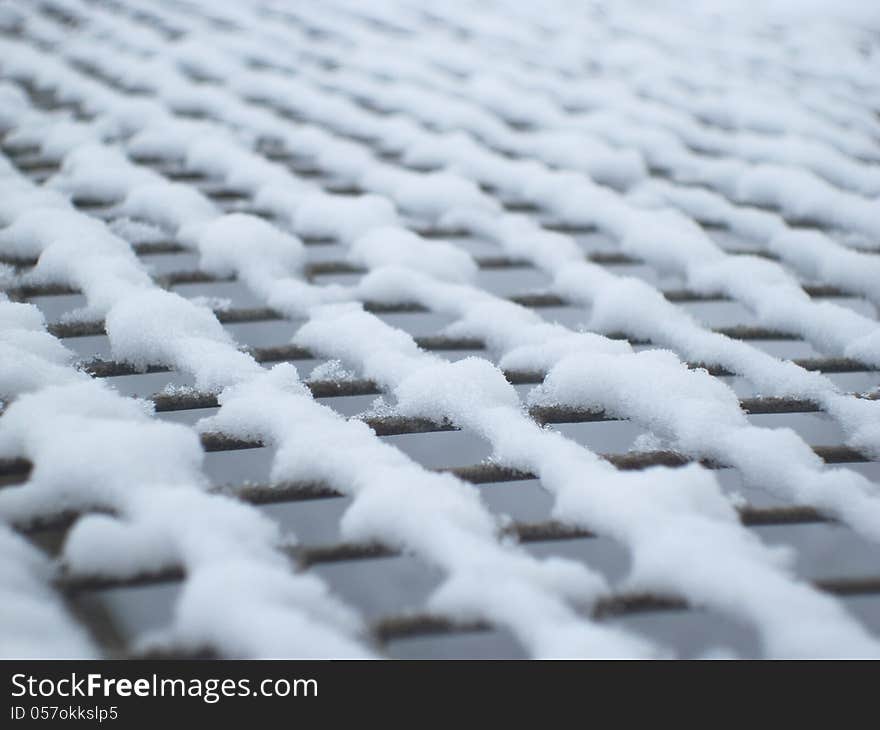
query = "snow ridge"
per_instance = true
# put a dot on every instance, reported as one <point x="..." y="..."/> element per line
<point x="424" y="141"/>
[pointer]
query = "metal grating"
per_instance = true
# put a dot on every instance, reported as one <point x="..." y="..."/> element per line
<point x="389" y="583"/>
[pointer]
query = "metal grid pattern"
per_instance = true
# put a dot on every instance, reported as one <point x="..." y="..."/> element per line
<point x="389" y="582"/>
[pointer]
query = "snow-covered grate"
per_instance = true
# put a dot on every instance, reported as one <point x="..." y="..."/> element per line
<point x="438" y="329"/>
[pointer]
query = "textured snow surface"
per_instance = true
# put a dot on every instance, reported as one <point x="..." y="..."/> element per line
<point x="679" y="188"/>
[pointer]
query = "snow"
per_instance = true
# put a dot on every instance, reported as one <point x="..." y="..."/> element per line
<point x="580" y="128"/>
<point x="241" y="243"/>
<point x="390" y="246"/>
<point x="429" y="195"/>
<point x="178" y="333"/>
<point x="434" y="515"/>
<point x="318" y="215"/>
<point x="43" y="630"/>
<point x="169" y="204"/>
<point x="801" y="195"/>
<point x="701" y="416"/>
<point x="94" y="449"/>
<point x="669" y="518"/>
<point x="32" y="357"/>
<point x="99" y="172"/>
